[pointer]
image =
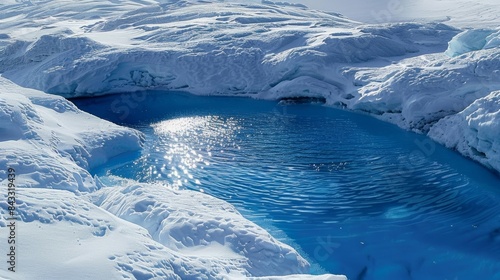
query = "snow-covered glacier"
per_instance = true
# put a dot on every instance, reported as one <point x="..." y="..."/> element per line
<point x="431" y="78"/>
<point x="411" y="74"/>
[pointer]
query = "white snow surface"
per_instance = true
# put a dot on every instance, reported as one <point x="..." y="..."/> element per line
<point x="52" y="143"/>
<point x="428" y="77"/>
<point x="475" y="131"/>
<point x="191" y="222"/>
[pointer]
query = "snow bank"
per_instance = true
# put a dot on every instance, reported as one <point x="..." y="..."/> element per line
<point x="62" y="235"/>
<point x="52" y="143"/>
<point x="415" y="93"/>
<point x="474" y="132"/>
<point x="190" y="222"/>
<point x="202" y="47"/>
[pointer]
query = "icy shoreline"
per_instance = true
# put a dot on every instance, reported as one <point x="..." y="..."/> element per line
<point x="427" y="77"/>
<point x="122" y="229"/>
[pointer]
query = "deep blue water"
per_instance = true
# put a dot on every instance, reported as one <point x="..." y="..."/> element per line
<point x="355" y="195"/>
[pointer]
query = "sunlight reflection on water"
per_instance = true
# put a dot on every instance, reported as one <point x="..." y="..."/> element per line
<point x="355" y="195"/>
<point x="209" y="133"/>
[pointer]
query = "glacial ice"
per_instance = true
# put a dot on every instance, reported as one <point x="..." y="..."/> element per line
<point x="473" y="40"/>
<point x="427" y="77"/>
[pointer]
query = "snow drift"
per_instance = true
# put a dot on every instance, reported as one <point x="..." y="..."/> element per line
<point x="188" y="221"/>
<point x="52" y="143"/>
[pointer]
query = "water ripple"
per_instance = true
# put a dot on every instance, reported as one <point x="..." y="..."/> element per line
<point x="357" y="195"/>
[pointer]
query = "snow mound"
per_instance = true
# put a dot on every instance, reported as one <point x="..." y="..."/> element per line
<point x="80" y="235"/>
<point x="52" y="143"/>
<point x="184" y="220"/>
<point x="418" y="92"/>
<point x="474" y="132"/>
<point x="59" y="234"/>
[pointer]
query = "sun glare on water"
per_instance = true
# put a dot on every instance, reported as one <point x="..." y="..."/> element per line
<point x="190" y="142"/>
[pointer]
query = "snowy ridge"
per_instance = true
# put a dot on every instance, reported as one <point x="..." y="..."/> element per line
<point x="417" y="92"/>
<point x="82" y="223"/>
<point x="206" y="48"/>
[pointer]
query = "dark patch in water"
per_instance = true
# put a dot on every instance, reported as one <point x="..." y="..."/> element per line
<point x="408" y="270"/>
<point x="495" y="234"/>
<point x="302" y="100"/>
<point x="362" y="273"/>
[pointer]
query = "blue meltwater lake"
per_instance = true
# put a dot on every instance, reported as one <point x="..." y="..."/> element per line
<point x="354" y="195"/>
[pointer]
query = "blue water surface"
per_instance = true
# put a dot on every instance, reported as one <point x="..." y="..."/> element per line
<point x="354" y="195"/>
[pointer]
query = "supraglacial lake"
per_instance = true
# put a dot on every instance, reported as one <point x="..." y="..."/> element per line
<point x="352" y="194"/>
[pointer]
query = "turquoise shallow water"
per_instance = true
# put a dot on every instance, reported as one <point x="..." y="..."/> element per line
<point x="355" y="195"/>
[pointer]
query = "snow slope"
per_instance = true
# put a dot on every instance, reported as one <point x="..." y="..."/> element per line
<point x="70" y="223"/>
<point x="206" y="48"/>
<point x="52" y="143"/>
<point x="475" y="131"/>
